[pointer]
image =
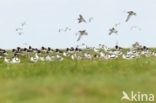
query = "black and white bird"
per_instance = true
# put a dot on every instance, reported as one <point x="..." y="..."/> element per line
<point x="81" y="33"/>
<point x="81" y="19"/>
<point x="112" y="30"/>
<point x="130" y="14"/>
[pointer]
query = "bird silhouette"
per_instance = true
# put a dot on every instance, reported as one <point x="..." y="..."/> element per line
<point x="112" y="30"/>
<point x="81" y="19"/>
<point x="81" y="33"/>
<point x="130" y="14"/>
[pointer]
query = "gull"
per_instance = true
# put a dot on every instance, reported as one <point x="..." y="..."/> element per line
<point x="81" y="33"/>
<point x="130" y="14"/>
<point x="113" y="30"/>
<point x="81" y="19"/>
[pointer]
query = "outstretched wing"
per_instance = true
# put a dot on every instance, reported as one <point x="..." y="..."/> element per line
<point x="128" y="17"/>
<point x="79" y="37"/>
<point x="111" y="31"/>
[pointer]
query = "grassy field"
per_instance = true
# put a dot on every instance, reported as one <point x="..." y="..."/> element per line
<point x="76" y="81"/>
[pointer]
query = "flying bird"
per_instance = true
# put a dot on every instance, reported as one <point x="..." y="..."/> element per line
<point x="135" y="28"/>
<point x="19" y="29"/>
<point x="23" y="24"/>
<point x="67" y="29"/>
<point x="81" y="33"/>
<point x="130" y="14"/>
<point x="90" y="19"/>
<point x="112" y="30"/>
<point x="81" y="19"/>
<point x="59" y="30"/>
<point x="20" y="33"/>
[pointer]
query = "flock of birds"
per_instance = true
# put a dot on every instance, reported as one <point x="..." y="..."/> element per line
<point x="80" y="33"/>
<point x="112" y="30"/>
<point x="102" y="52"/>
<point x="82" y="19"/>
<point x="20" y="29"/>
<point x="81" y="52"/>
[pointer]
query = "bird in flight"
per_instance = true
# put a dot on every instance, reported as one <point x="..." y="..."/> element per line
<point x="19" y="29"/>
<point x="90" y="19"/>
<point x="130" y="14"/>
<point x="135" y="28"/>
<point x="23" y="24"/>
<point x="81" y="33"/>
<point x="67" y="29"/>
<point x="81" y="19"/>
<point x="112" y="30"/>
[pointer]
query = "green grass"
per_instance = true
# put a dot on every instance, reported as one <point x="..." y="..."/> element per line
<point x="76" y="81"/>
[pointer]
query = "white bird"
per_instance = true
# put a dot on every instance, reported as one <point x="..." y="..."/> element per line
<point x="6" y="60"/>
<point x="125" y="96"/>
<point x="48" y="58"/>
<point x="130" y="14"/>
<point x="112" y="30"/>
<point x="81" y="19"/>
<point x="34" y="60"/>
<point x="15" y="60"/>
<point x="81" y="33"/>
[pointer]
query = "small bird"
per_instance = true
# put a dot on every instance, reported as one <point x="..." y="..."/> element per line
<point x="67" y="29"/>
<point x="135" y="28"/>
<point x="90" y="19"/>
<point x="23" y="24"/>
<point x="130" y="14"/>
<point x="20" y="33"/>
<point x="19" y="29"/>
<point x="81" y="33"/>
<point x="113" y="30"/>
<point x="81" y="19"/>
<point x="60" y="30"/>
